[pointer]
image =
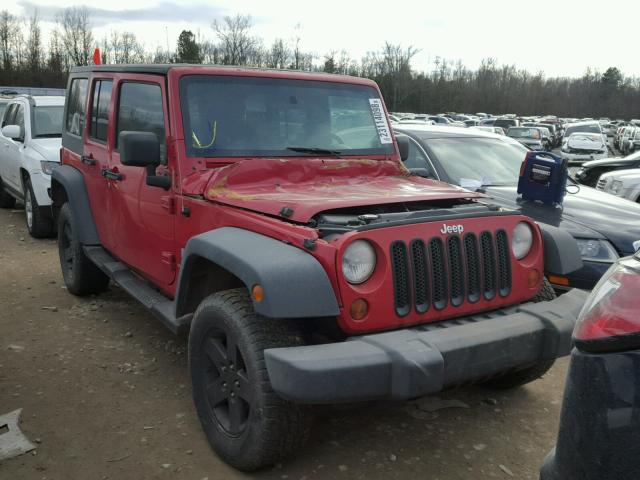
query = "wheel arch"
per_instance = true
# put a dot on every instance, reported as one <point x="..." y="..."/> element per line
<point x="295" y="284"/>
<point x="67" y="185"/>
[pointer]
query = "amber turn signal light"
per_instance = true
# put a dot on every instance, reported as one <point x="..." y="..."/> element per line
<point x="533" y="279"/>
<point x="558" y="280"/>
<point x="257" y="293"/>
<point x="359" y="309"/>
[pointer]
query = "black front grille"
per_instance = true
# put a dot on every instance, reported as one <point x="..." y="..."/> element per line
<point x="400" y="269"/>
<point x="456" y="270"/>
<point x="504" y="263"/>
<point x="437" y="273"/>
<point x="473" y="267"/>
<point x="488" y="265"/>
<point x="420" y="280"/>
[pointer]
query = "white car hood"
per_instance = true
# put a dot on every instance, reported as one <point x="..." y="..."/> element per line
<point x="49" y="148"/>
<point x="581" y="142"/>
<point x="630" y="176"/>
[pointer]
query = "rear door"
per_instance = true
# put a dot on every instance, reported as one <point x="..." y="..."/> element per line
<point x="5" y="143"/>
<point x="97" y="150"/>
<point x="143" y="216"/>
<point x="15" y="150"/>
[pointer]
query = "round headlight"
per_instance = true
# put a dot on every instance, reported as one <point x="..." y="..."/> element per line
<point x="358" y="262"/>
<point x="521" y="240"/>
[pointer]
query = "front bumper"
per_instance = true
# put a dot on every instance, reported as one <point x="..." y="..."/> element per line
<point x="416" y="361"/>
<point x="580" y="158"/>
<point x="587" y="277"/>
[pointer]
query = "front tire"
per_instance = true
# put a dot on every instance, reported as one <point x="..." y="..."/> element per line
<point x="38" y="224"/>
<point x="81" y="276"/>
<point x="246" y="422"/>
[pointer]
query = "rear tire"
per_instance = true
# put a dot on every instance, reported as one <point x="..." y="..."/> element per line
<point x="81" y="276"/>
<point x="247" y="424"/>
<point x="529" y="374"/>
<point x="38" y="225"/>
<point x="6" y="200"/>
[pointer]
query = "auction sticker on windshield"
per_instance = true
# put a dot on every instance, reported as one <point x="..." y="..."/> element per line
<point x="384" y="132"/>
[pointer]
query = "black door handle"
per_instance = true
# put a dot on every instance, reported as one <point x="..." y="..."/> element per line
<point x="87" y="160"/>
<point x="111" y="175"/>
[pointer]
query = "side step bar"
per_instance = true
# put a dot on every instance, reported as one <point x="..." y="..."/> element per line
<point x="162" y="307"/>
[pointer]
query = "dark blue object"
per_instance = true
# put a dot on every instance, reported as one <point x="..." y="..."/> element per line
<point x="543" y="177"/>
<point x="599" y="437"/>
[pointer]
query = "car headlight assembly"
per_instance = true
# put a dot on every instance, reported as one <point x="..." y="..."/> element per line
<point x="47" y="167"/>
<point x="521" y="240"/>
<point x="594" y="250"/>
<point x="616" y="187"/>
<point x="358" y="262"/>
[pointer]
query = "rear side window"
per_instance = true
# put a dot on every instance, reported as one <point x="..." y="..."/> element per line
<point x="99" y="121"/>
<point x="77" y="102"/>
<point x="140" y="110"/>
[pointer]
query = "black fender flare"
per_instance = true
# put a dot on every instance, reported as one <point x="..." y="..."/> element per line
<point x="295" y="284"/>
<point x="72" y="181"/>
<point x="561" y="254"/>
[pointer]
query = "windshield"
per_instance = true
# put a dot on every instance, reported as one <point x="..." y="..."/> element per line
<point x="47" y="121"/>
<point x="228" y="116"/>
<point x="523" y="133"/>
<point x="593" y="128"/>
<point x="3" y="107"/>
<point x="490" y="161"/>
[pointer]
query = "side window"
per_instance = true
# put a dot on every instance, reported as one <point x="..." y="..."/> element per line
<point x="19" y="119"/>
<point x="416" y="158"/>
<point x="10" y="115"/>
<point x="99" y="121"/>
<point x="77" y="102"/>
<point x="140" y="109"/>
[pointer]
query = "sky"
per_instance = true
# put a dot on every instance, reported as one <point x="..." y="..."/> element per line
<point x="557" y="37"/>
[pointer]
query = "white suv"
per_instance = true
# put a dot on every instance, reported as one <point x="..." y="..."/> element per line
<point x="30" y="142"/>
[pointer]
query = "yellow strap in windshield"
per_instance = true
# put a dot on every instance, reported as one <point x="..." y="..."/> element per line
<point x="196" y="140"/>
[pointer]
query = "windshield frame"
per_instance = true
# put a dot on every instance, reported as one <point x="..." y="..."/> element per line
<point x="384" y="151"/>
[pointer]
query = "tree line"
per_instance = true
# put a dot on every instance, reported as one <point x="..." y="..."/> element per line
<point x="26" y="59"/>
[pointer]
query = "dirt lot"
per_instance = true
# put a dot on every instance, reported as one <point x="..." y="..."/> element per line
<point x="105" y="395"/>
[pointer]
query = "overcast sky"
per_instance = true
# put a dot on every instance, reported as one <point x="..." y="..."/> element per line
<point x="561" y="38"/>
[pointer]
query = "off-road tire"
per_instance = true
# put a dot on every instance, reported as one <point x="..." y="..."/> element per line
<point x="81" y="276"/>
<point x="6" y="200"/>
<point x="269" y="428"/>
<point x="39" y="225"/>
<point x="529" y="374"/>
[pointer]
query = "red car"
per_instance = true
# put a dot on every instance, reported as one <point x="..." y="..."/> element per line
<point x="268" y="213"/>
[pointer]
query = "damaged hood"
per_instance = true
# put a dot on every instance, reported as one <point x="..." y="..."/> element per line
<point x="299" y="188"/>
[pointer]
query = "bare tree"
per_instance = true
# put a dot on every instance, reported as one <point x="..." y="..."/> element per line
<point x="125" y="48"/>
<point x="236" y="43"/>
<point x="10" y="40"/>
<point x="34" y="45"/>
<point x="76" y="34"/>
<point x="279" y="55"/>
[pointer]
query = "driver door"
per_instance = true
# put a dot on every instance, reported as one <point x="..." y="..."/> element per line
<point x="143" y="215"/>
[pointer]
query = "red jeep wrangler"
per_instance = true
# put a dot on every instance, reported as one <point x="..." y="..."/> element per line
<point x="269" y="213"/>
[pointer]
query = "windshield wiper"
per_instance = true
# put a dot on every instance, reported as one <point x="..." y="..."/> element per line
<point x="316" y="151"/>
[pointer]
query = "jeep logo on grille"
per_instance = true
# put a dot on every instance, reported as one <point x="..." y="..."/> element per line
<point x="451" y="229"/>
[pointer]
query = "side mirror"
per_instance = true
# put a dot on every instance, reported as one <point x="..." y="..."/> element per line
<point x="139" y="149"/>
<point x="14" y="132"/>
<point x="142" y="149"/>
<point x="403" y="147"/>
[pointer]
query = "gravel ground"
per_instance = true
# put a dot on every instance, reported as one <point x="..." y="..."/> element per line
<point x="106" y="395"/>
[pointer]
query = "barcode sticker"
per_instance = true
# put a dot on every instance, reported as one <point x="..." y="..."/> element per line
<point x="384" y="132"/>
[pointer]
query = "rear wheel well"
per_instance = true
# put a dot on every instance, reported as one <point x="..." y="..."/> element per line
<point x="203" y="278"/>
<point x="58" y="197"/>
